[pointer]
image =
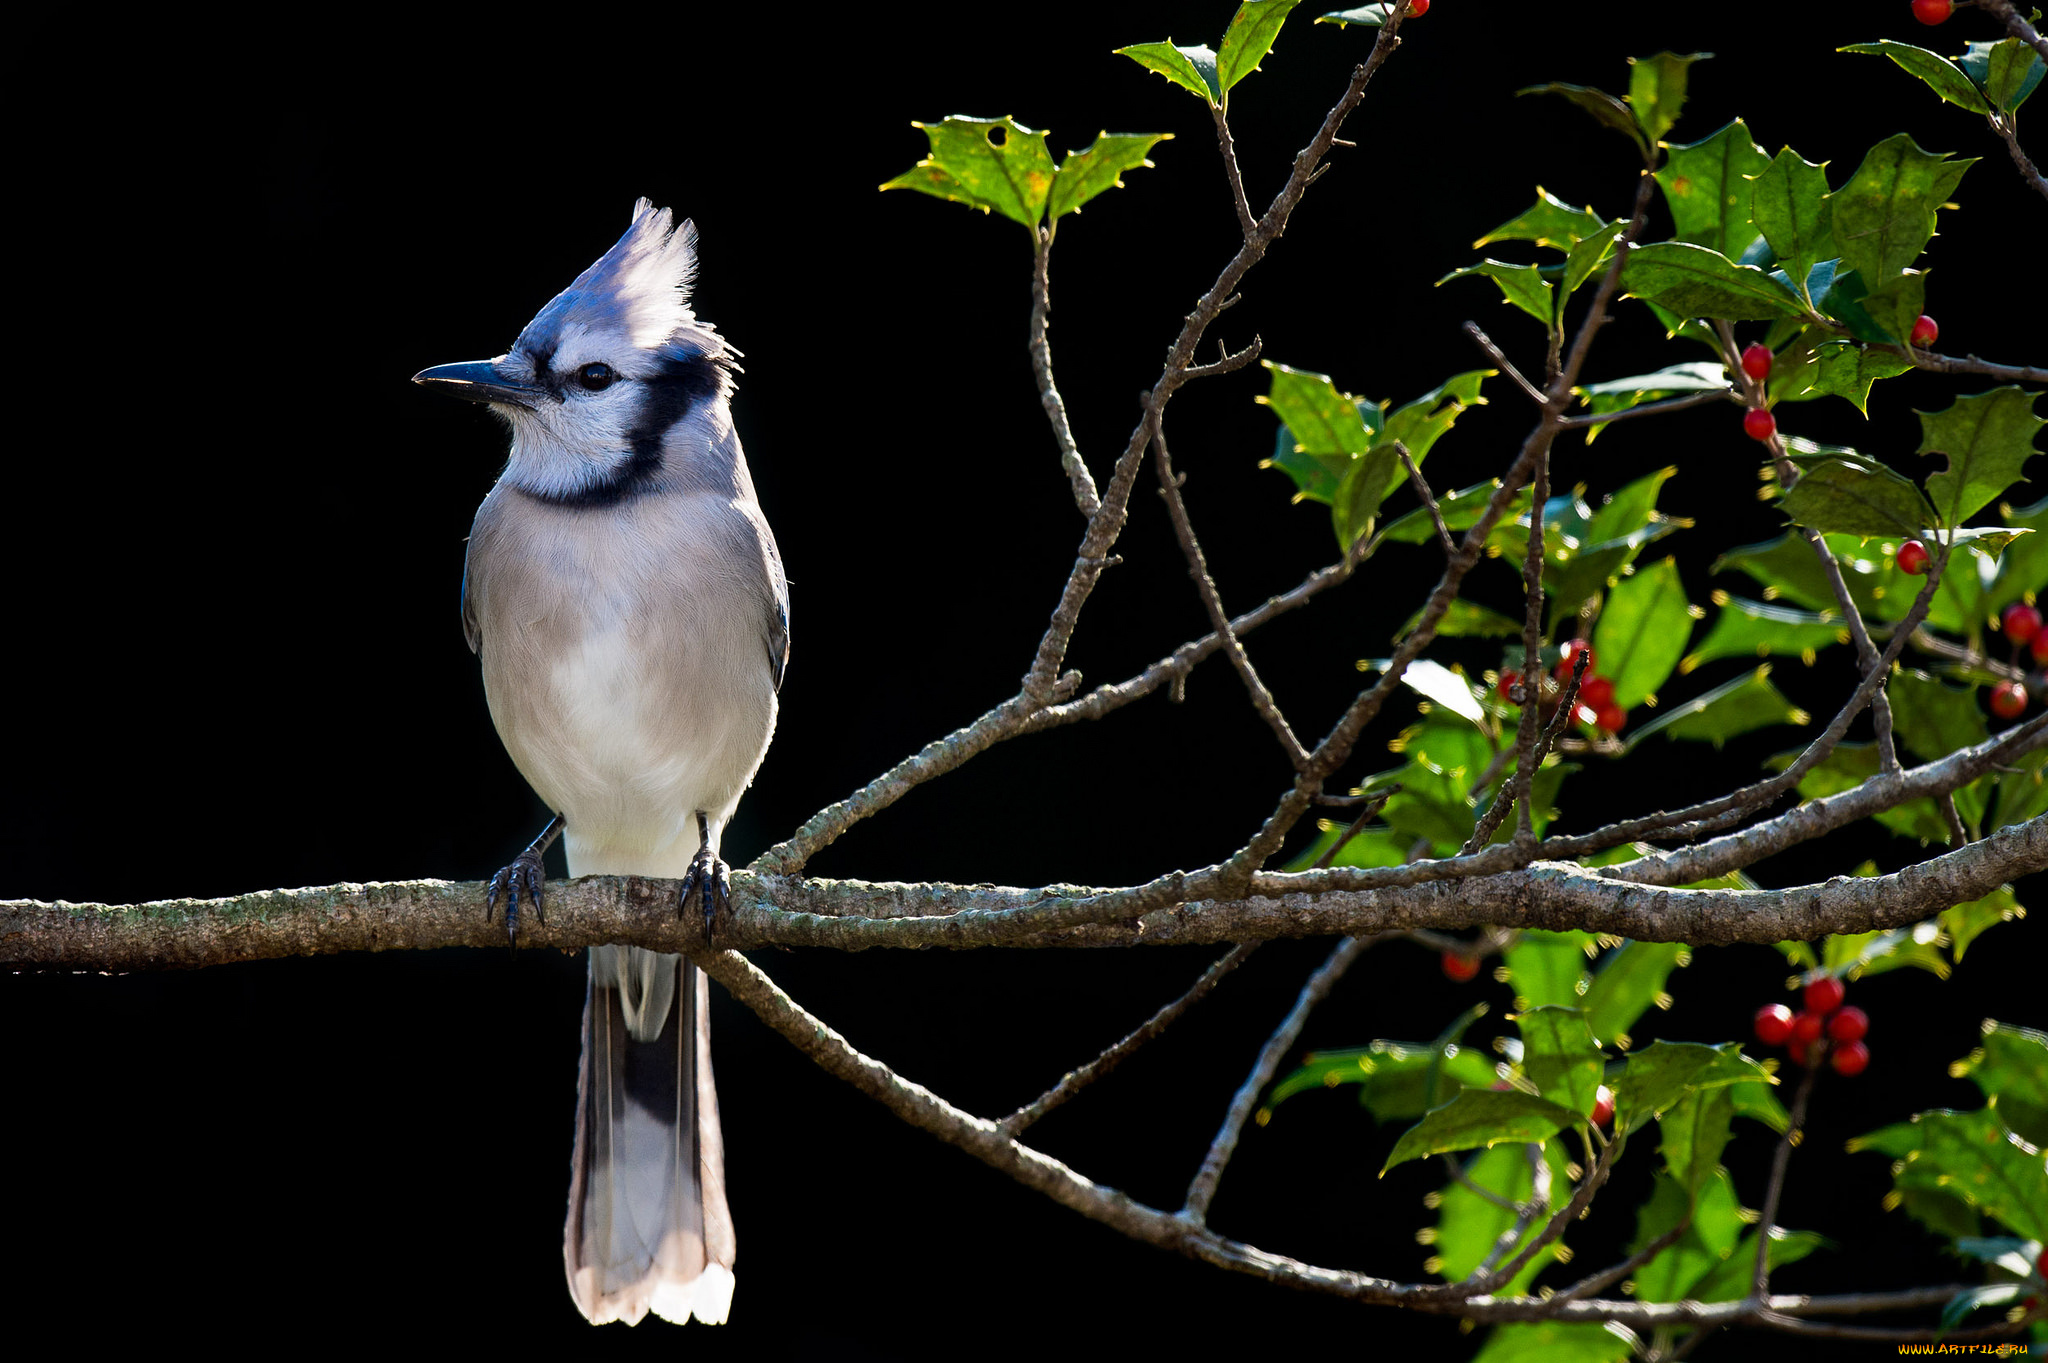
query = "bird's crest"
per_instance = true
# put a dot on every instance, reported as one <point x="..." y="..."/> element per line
<point x="640" y="287"/>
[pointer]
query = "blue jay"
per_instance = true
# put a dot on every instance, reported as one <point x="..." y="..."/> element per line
<point x="631" y="611"/>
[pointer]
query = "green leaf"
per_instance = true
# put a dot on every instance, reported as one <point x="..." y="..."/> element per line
<point x="1847" y="371"/>
<point x="1856" y="497"/>
<point x="1548" y="968"/>
<point x="1560" y="1056"/>
<point x="1973" y="1157"/>
<point x="1249" y="38"/>
<point x="1706" y="186"/>
<point x="1583" y="259"/>
<point x="1692" y="281"/>
<point x="1323" y="421"/>
<point x="1392" y="1076"/>
<point x="1963" y="1303"/>
<point x="1842" y="299"/>
<point x="2023" y="792"/>
<point x="1854" y="955"/>
<point x="1315" y="476"/>
<point x="1789" y="200"/>
<point x="1656" y="89"/>
<point x="1931" y="719"/>
<point x="1087" y="173"/>
<point x="1884" y="216"/>
<point x="1371" y="16"/>
<point x="1550" y="221"/>
<point x="1614" y="395"/>
<point x="1467" y="620"/>
<point x="1584" y="569"/>
<point x="1423" y="422"/>
<point x="1894" y="306"/>
<point x="1694" y="1131"/>
<point x="2007" y="71"/>
<point x="1628" y="984"/>
<point x="1469" y="1226"/>
<point x="1605" y="108"/>
<point x="1629" y="508"/>
<point x="2012" y="1069"/>
<point x="1941" y="74"/>
<point x="1757" y="1102"/>
<point x="1731" y="1279"/>
<point x="1191" y="68"/>
<point x="2024" y="566"/>
<point x="1988" y="438"/>
<point x="1557" y="1341"/>
<point x="1460" y="509"/>
<point x="1747" y="703"/>
<point x="1642" y="632"/>
<point x="1522" y="285"/>
<point x="1757" y="629"/>
<point x="1659" y="1076"/>
<point x="994" y="164"/>
<point x="1447" y="688"/>
<point x="1965" y="923"/>
<point x="1481" y="1117"/>
<point x="1715" y="1229"/>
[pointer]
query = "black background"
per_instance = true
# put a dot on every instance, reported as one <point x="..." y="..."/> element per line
<point x="235" y="531"/>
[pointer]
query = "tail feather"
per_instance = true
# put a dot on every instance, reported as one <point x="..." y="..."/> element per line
<point x="648" y="1226"/>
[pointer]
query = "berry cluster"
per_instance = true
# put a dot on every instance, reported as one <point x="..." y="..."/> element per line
<point x="1596" y="693"/>
<point x="1823" y="1029"/>
<point x="2021" y="624"/>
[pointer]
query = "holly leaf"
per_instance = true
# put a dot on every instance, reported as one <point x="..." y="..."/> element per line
<point x="1656" y="89"/>
<point x="1560" y="1056"/>
<point x="1605" y="108"/>
<point x="1550" y="221"/>
<point x="1191" y="68"/>
<point x="1941" y="74"/>
<point x="2023" y="566"/>
<point x="1524" y="286"/>
<point x="1837" y="495"/>
<point x="1747" y="703"/>
<point x="2006" y="72"/>
<point x="1642" y="632"/>
<point x="1393" y="1077"/>
<point x="1732" y="1277"/>
<point x="1460" y="510"/>
<point x="1098" y="167"/>
<point x="1884" y="216"/>
<point x="1617" y="395"/>
<point x="994" y="164"/>
<point x="1988" y="438"/>
<point x="1965" y="923"/>
<point x="1659" y="1076"/>
<point x="1692" y="281"/>
<point x="1789" y="201"/>
<point x="1249" y="38"/>
<point x="1706" y="185"/>
<point x="1788" y="567"/>
<point x="1548" y="968"/>
<point x="1693" y="1131"/>
<point x="1481" y="1117"/>
<point x="1469" y="1225"/>
<point x="1467" y="620"/>
<point x="1931" y="719"/>
<point x="1628" y="984"/>
<point x="1847" y="371"/>
<point x="1758" y="629"/>
<point x="2012" y="1069"/>
<point x="1971" y="1156"/>
<point x="1557" y="1341"/>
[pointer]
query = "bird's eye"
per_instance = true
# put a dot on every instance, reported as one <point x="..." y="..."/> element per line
<point x="595" y="377"/>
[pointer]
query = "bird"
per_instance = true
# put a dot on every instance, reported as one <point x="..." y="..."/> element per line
<point x="628" y="603"/>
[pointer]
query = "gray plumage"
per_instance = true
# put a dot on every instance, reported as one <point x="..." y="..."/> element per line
<point x="630" y="609"/>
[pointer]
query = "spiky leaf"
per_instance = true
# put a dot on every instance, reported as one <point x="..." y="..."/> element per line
<point x="1988" y="439"/>
<point x="1099" y="167"/>
<point x="994" y="164"/>
<point x="1884" y="216"/>
<point x="1707" y="187"/>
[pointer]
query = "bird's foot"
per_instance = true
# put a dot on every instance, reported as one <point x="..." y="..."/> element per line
<point x="709" y="881"/>
<point x="525" y="874"/>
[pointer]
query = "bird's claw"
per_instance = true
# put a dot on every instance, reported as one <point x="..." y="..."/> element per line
<point x="524" y="873"/>
<point x="709" y="880"/>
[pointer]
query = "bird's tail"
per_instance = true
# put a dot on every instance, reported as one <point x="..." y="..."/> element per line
<point x="648" y="1226"/>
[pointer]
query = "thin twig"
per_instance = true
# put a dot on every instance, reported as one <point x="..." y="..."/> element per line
<point x="1795" y="1130"/>
<point x="1231" y="361"/>
<point x="2030" y="173"/>
<point x="2016" y="24"/>
<point x="1219" y="620"/>
<point x="1101" y="1065"/>
<point x="1525" y="1214"/>
<point x="1202" y="1190"/>
<point x="1506" y="366"/>
<point x="1245" y="222"/>
<point x="1436" y="514"/>
<point x="1085" y="496"/>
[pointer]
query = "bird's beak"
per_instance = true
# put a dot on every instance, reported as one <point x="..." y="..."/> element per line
<point x="478" y="381"/>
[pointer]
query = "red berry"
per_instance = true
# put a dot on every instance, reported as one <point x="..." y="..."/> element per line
<point x="2021" y="622"/>
<point x="1459" y="966"/>
<point x="2041" y="647"/>
<point x="1603" y="1106"/>
<point x="1508" y="682"/>
<point x="1611" y="717"/>
<point x="1926" y="329"/>
<point x="1756" y="362"/>
<point x="1824" y="995"/>
<point x="1851" y="1024"/>
<point x="1913" y="557"/>
<point x="1758" y="424"/>
<point x="1568" y="657"/>
<point x="2008" y="700"/>
<point x="1851" y="1057"/>
<point x="1418" y="8"/>
<point x="1597" y="691"/>
<point x="1933" y="11"/>
<point x="1806" y="1029"/>
<point x="1773" y="1024"/>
